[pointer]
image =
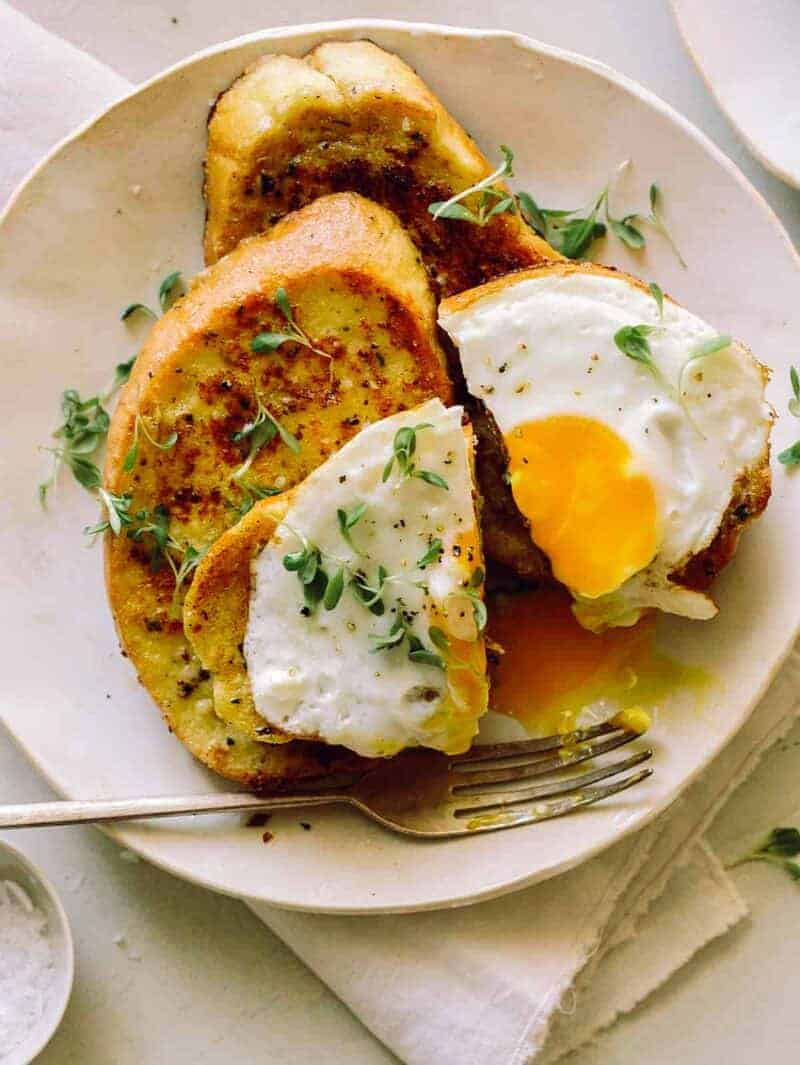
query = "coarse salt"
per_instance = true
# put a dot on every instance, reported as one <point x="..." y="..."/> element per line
<point x="26" y="965"/>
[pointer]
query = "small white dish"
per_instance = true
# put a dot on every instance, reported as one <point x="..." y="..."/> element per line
<point x="16" y="867"/>
<point x="747" y="55"/>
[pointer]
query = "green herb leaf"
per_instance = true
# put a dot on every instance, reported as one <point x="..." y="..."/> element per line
<point x="626" y="230"/>
<point x="132" y="455"/>
<point x="314" y="591"/>
<point x="781" y="841"/>
<point x="82" y="432"/>
<point x="794" y="402"/>
<point x="656" y="219"/>
<point x="291" y="441"/>
<point x="260" y="432"/>
<point x="404" y="447"/>
<point x="791" y="455"/>
<point x="456" y="211"/>
<point x="438" y="638"/>
<point x="632" y="341"/>
<point x="348" y="520"/>
<point x="283" y="304"/>
<point x="122" y="372"/>
<point x="658" y="296"/>
<point x="310" y="566"/>
<point x="84" y="471"/>
<point x="577" y="235"/>
<point x="189" y="561"/>
<point x="392" y="638"/>
<point x="717" y="343"/>
<point x="532" y="213"/>
<point x="155" y="528"/>
<point x="435" y="549"/>
<point x="369" y="595"/>
<point x="477" y="578"/>
<point x="117" y="509"/>
<point x="779" y="848"/>
<point x="136" y="308"/>
<point x="424" y="657"/>
<point x="251" y="493"/>
<point x="431" y="478"/>
<point x="295" y="560"/>
<point x="491" y="200"/>
<point x="333" y="592"/>
<point x="479" y="611"/>
<point x="270" y="341"/>
<point x="168" y="289"/>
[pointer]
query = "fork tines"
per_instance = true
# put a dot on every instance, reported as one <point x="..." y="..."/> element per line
<point x="517" y="783"/>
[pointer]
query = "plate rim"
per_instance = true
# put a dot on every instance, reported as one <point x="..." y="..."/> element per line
<point x="128" y="837"/>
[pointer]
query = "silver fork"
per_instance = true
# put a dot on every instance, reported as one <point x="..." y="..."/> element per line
<point x="417" y="793"/>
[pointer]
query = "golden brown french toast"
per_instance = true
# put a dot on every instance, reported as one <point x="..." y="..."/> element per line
<point x="355" y="288"/>
<point x="351" y="116"/>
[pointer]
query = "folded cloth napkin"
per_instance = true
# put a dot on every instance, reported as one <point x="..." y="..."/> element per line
<point x="529" y="976"/>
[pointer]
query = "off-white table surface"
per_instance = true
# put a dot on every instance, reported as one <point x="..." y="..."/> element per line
<point x="198" y="980"/>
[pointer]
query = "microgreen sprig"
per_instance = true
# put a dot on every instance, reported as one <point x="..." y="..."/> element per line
<point x="139" y="427"/>
<point x="479" y="611"/>
<point x="270" y="341"/>
<point x="82" y="432"/>
<point x="568" y="231"/>
<point x="790" y="456"/>
<point x="492" y="201"/>
<point x="117" y="513"/>
<point x="168" y="291"/>
<point x="404" y="447"/>
<point x="709" y="347"/>
<point x="347" y="520"/>
<point x="779" y="848"/>
<point x="258" y="433"/>
<point x="632" y="341"/>
<point x="251" y="493"/>
<point x="655" y="291"/>
<point x="151" y="528"/>
<point x="399" y="631"/>
<point x="433" y="554"/>
<point x="656" y="219"/>
<point x="572" y="233"/>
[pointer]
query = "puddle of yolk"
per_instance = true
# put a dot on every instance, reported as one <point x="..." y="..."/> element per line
<point x="553" y="668"/>
<point x="593" y="516"/>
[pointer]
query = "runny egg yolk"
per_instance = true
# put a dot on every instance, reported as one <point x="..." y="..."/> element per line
<point x="552" y="668"/>
<point x="590" y="511"/>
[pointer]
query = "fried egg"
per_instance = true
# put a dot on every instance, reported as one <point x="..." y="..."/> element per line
<point x="402" y="665"/>
<point x="623" y="468"/>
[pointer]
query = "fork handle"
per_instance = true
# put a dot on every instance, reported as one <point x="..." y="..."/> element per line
<point x="91" y="811"/>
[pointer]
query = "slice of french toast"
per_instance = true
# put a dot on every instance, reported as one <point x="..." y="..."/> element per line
<point x="342" y="320"/>
<point x="351" y="116"/>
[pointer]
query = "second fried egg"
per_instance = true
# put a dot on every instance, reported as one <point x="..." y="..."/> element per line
<point x="624" y="468"/>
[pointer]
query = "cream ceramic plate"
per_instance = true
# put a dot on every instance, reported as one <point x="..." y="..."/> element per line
<point x="118" y="206"/>
<point x="748" y="55"/>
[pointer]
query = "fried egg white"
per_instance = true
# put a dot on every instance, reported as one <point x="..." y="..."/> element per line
<point x="624" y="471"/>
<point x="315" y="674"/>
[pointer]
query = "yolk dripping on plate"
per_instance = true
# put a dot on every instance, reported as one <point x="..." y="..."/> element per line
<point x="591" y="513"/>
<point x="553" y="668"/>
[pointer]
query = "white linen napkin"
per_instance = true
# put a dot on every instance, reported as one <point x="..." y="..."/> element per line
<point x="531" y="975"/>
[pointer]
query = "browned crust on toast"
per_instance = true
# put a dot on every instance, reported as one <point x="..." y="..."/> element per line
<point x="354" y="284"/>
